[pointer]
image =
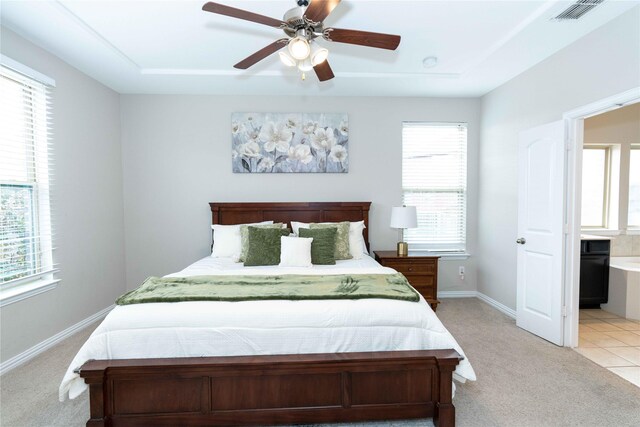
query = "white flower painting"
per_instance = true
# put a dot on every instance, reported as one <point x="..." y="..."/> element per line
<point x="290" y="143"/>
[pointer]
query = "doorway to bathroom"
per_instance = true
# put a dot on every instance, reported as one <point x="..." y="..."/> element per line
<point x="604" y="245"/>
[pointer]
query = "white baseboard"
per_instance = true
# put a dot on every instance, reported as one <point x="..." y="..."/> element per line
<point x="497" y="305"/>
<point x="32" y="352"/>
<point x="471" y="294"/>
<point x="457" y="294"/>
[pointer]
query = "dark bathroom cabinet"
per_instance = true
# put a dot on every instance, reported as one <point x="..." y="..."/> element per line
<point x="594" y="273"/>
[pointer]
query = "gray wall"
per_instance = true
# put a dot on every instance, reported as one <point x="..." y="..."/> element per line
<point x="620" y="126"/>
<point x="88" y="219"/>
<point x="177" y="158"/>
<point x="603" y="63"/>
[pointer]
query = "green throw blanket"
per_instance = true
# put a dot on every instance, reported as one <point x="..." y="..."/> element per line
<point x="282" y="287"/>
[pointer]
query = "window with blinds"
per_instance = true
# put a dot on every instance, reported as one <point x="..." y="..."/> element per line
<point x="25" y="214"/>
<point x="434" y="180"/>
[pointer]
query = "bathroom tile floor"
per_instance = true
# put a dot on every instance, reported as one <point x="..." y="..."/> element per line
<point x="612" y="342"/>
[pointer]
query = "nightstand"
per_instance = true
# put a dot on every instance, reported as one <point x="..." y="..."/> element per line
<point x="420" y="270"/>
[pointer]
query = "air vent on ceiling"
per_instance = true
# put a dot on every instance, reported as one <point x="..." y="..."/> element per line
<point x="577" y="10"/>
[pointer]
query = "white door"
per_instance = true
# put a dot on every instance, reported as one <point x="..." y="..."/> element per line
<point x="541" y="168"/>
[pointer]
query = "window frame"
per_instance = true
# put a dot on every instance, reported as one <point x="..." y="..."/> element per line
<point x="606" y="202"/>
<point x="633" y="227"/>
<point x="446" y="249"/>
<point x="39" y="277"/>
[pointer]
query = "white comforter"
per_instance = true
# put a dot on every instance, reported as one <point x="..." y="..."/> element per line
<point x="211" y="328"/>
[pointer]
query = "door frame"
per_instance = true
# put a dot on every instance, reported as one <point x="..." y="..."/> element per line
<point x="574" y="137"/>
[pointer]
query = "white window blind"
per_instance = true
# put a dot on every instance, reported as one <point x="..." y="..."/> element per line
<point x="434" y="180"/>
<point x="25" y="214"/>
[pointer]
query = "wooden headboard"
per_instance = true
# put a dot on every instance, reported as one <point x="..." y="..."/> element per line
<point x="240" y="213"/>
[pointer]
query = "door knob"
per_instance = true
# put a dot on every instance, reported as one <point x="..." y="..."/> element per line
<point x="521" y="241"/>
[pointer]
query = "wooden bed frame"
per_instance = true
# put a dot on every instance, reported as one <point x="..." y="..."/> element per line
<point x="280" y="389"/>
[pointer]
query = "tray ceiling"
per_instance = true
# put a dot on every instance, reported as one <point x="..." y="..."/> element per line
<point x="175" y="47"/>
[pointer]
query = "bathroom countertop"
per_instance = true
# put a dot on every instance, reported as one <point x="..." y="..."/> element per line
<point x="628" y="263"/>
<point x="594" y="237"/>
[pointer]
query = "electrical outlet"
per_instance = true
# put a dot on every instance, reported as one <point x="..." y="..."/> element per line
<point x="461" y="270"/>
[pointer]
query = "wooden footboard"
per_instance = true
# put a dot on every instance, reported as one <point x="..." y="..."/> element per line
<point x="287" y="389"/>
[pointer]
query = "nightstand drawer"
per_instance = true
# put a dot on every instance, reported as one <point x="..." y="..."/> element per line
<point x="421" y="271"/>
<point x="422" y="280"/>
<point x="412" y="266"/>
<point x="427" y="293"/>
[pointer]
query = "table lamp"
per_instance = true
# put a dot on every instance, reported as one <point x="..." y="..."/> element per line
<point x="403" y="217"/>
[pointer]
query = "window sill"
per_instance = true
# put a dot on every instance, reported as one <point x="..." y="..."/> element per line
<point x="27" y="290"/>
<point x="445" y="256"/>
<point x="600" y="232"/>
<point x="633" y="232"/>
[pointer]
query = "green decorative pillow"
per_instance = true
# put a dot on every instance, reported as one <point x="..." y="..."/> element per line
<point x="342" y="238"/>
<point x="264" y="246"/>
<point x="244" y="237"/>
<point x="323" y="247"/>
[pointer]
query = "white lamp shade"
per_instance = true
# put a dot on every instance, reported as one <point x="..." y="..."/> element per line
<point x="404" y="217"/>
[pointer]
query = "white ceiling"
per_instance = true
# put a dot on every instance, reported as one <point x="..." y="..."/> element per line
<point x="175" y="47"/>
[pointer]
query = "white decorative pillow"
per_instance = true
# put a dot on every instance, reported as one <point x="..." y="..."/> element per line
<point x="357" y="246"/>
<point x="295" y="251"/>
<point x="295" y="226"/>
<point x="226" y="239"/>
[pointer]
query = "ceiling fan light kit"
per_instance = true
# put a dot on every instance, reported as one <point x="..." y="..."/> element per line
<point x="318" y="54"/>
<point x="299" y="47"/>
<point x="301" y="26"/>
<point x="305" y="65"/>
<point x="287" y="60"/>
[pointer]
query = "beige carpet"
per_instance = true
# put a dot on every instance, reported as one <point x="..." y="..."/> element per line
<point x="522" y="381"/>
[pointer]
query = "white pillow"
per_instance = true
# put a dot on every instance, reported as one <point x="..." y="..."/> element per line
<point x="357" y="246"/>
<point x="226" y="239"/>
<point x="295" y="251"/>
<point x="297" y="225"/>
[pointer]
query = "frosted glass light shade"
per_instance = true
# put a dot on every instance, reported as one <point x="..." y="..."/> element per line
<point x="319" y="55"/>
<point x="299" y="48"/>
<point x="404" y="217"/>
<point x="305" y="65"/>
<point x="287" y="60"/>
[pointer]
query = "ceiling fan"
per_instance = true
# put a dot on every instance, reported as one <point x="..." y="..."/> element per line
<point x="302" y="25"/>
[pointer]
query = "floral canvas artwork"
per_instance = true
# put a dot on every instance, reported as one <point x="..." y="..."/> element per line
<point x="290" y="143"/>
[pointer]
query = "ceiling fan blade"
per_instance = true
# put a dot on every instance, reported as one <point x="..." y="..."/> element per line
<point x="363" y="38"/>
<point x="221" y="9"/>
<point x="324" y="71"/>
<point x="318" y="10"/>
<point x="261" y="54"/>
